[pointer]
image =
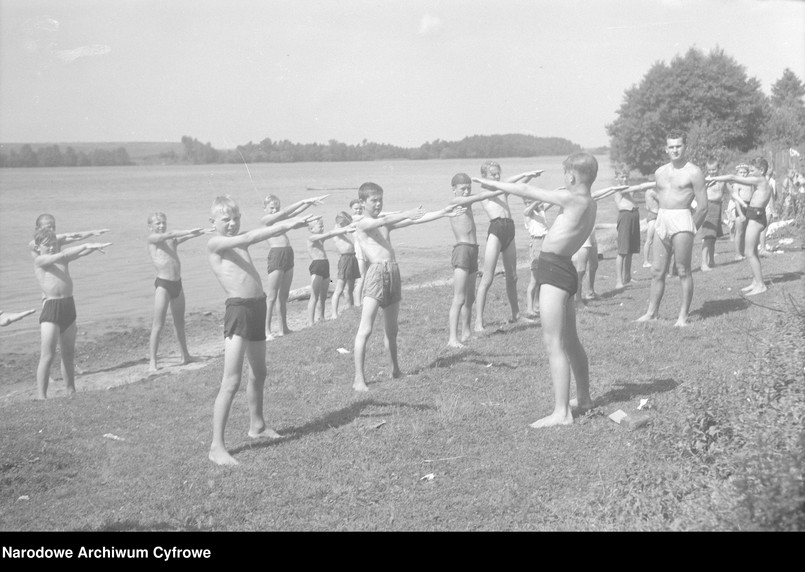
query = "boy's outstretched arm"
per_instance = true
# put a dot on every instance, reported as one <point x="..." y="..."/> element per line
<point x="609" y="191"/>
<point x="751" y="180"/>
<point x="177" y="235"/>
<point x="525" y="177"/>
<point x="293" y="210"/>
<point x="390" y="220"/>
<point x="72" y="253"/>
<point x="70" y="237"/>
<point x="6" y="319"/>
<point x="449" y="210"/>
<point x="523" y="190"/>
<point x="329" y="234"/>
<point x="193" y="233"/>
<point x="482" y="196"/>
<point x="220" y="243"/>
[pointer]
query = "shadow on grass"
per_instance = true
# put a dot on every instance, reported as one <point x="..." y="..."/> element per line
<point x="464" y="355"/>
<point x="330" y="421"/>
<point x="115" y="367"/>
<point x="783" y="277"/>
<point x="712" y="308"/>
<point x="628" y="391"/>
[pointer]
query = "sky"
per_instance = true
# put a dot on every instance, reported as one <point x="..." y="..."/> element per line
<point x="402" y="72"/>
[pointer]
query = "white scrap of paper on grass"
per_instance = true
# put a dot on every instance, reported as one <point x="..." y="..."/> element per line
<point x="428" y="477"/>
<point x="113" y="437"/>
<point x="24" y="497"/>
<point x="342" y="351"/>
<point x="643" y="403"/>
<point x="618" y="416"/>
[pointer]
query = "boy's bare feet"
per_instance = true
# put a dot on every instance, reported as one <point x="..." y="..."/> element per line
<point x="583" y="407"/>
<point x="553" y="420"/>
<point x="681" y="323"/>
<point x="360" y="386"/>
<point x="152" y="367"/>
<point x="705" y="268"/>
<point x="188" y="359"/>
<point x="266" y="433"/>
<point x="646" y="318"/>
<point x="455" y="344"/>
<point x="396" y="373"/>
<point x="758" y="290"/>
<point x="222" y="457"/>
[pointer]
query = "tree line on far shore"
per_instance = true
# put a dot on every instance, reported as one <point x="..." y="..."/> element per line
<point x="53" y="156"/>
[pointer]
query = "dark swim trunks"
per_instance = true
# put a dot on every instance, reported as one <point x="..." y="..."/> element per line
<point x="382" y="282"/>
<point x="711" y="228"/>
<point x="280" y="258"/>
<point x="628" y="232"/>
<point x="320" y="267"/>
<point x="174" y="287"/>
<point x="557" y="271"/>
<point x="59" y="311"/>
<point x="757" y="214"/>
<point x="503" y="228"/>
<point x="465" y="255"/>
<point x="246" y="317"/>
<point x="348" y="268"/>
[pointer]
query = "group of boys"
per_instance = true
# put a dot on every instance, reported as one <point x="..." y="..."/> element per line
<point x="368" y="267"/>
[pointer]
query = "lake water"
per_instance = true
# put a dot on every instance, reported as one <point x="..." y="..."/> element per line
<point x="118" y="286"/>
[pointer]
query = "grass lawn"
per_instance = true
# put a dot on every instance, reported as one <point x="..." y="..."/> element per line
<point x="448" y="447"/>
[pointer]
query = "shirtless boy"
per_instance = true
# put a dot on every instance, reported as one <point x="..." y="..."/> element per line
<point x="500" y="240"/>
<point x="711" y="228"/>
<point x="678" y="183"/>
<point x="162" y="246"/>
<point x="558" y="281"/>
<point x="10" y="318"/>
<point x="281" y="259"/>
<point x="244" y="320"/>
<point x="536" y="224"/>
<point x="320" y="267"/>
<point x="464" y="259"/>
<point x="357" y="213"/>
<point x="755" y="217"/>
<point x="382" y="287"/>
<point x="57" y="320"/>
<point x="628" y="227"/>
<point x="348" y="268"/>
<point x="740" y="195"/>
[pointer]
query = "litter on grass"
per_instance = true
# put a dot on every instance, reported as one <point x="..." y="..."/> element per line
<point x="113" y="437"/>
<point x="428" y="477"/>
<point x="618" y="416"/>
<point x="342" y="351"/>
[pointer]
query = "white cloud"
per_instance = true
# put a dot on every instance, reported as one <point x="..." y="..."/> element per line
<point x="429" y="24"/>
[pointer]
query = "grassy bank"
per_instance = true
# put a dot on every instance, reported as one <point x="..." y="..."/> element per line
<point x="448" y="447"/>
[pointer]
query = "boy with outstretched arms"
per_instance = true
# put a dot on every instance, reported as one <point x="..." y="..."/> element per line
<point x="464" y="259"/>
<point x="281" y="259"/>
<point x="46" y="220"/>
<point x="756" y="219"/>
<point x="320" y="267"/>
<point x="348" y="267"/>
<point x="382" y="287"/>
<point x="168" y="291"/>
<point x="711" y="228"/>
<point x="57" y="320"/>
<point x="558" y="281"/>
<point x="10" y="318"/>
<point x="499" y="241"/>
<point x="678" y="183"/>
<point x="740" y="194"/>
<point x="244" y="320"/>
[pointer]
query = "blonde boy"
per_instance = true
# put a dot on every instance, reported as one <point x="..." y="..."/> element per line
<point x="756" y="219"/>
<point x="558" y="281"/>
<point x="46" y="220"/>
<point x="244" y="321"/>
<point x="281" y="259"/>
<point x="57" y="320"/>
<point x="320" y="267"/>
<point x="382" y="285"/>
<point x="348" y="267"/>
<point x="162" y="246"/>
<point x="464" y="259"/>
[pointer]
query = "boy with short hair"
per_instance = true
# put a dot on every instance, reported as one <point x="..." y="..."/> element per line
<point x="357" y="214"/>
<point x="162" y="246"/>
<point x="244" y="321"/>
<point x="382" y="285"/>
<point x="756" y="219"/>
<point x="536" y="224"/>
<point x="558" y="281"/>
<point x="711" y="227"/>
<point x="464" y="259"/>
<point x="320" y="267"/>
<point x="281" y="259"/>
<point x="740" y="195"/>
<point x="348" y="269"/>
<point x="628" y="227"/>
<point x="57" y="320"/>
<point x="499" y="242"/>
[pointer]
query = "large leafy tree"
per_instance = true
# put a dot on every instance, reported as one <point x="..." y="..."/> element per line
<point x="786" y="124"/>
<point x="709" y="96"/>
